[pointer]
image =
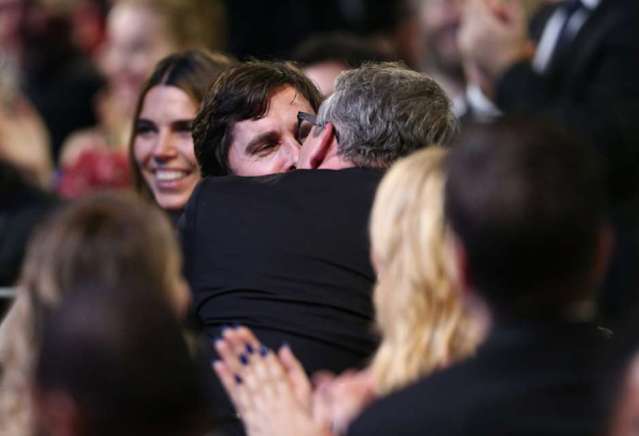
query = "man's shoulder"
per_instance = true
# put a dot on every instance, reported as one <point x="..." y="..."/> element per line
<point x="410" y="410"/>
<point x="298" y="176"/>
<point x="346" y="180"/>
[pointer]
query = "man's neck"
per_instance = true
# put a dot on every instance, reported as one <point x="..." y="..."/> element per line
<point x="335" y="163"/>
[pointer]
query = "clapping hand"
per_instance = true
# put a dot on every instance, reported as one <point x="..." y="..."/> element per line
<point x="270" y="390"/>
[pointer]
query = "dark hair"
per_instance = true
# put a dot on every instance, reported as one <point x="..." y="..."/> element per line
<point x="112" y="239"/>
<point x="348" y="49"/>
<point x="240" y="93"/>
<point x="527" y="203"/>
<point x="192" y="71"/>
<point x="120" y="355"/>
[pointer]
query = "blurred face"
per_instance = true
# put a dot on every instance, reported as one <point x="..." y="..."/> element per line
<point x="625" y="421"/>
<point x="163" y="146"/>
<point x="440" y="22"/>
<point x="268" y="145"/>
<point x="323" y="75"/>
<point x="136" y="40"/>
<point x="12" y="15"/>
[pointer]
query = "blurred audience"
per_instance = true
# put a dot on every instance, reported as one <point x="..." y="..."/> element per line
<point x="23" y="207"/>
<point x="287" y="254"/>
<point x="39" y="62"/>
<point x="139" y="33"/>
<point x="439" y="23"/>
<point x="324" y="56"/>
<point x="161" y="146"/>
<point x="581" y="73"/>
<point x="247" y="122"/>
<point x="440" y="55"/>
<point x="108" y="241"/>
<point x="24" y="139"/>
<point x="113" y="361"/>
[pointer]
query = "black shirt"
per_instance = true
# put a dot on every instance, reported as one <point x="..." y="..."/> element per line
<point x="288" y="256"/>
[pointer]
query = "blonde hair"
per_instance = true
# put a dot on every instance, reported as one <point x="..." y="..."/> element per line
<point x="109" y="239"/>
<point x="419" y="312"/>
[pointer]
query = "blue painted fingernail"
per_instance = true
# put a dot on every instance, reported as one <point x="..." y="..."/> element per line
<point x="263" y="351"/>
<point x="244" y="359"/>
<point x="249" y="349"/>
<point x="238" y="379"/>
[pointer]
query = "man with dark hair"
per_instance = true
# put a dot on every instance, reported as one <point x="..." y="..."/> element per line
<point x="246" y="125"/>
<point x="288" y="255"/>
<point x="123" y="370"/>
<point x="526" y="206"/>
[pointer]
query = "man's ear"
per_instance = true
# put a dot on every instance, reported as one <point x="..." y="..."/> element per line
<point x="459" y="262"/>
<point x="56" y="412"/>
<point x="316" y="147"/>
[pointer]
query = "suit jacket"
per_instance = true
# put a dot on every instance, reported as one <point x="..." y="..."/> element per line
<point x="287" y="256"/>
<point x="529" y="379"/>
<point x="591" y="86"/>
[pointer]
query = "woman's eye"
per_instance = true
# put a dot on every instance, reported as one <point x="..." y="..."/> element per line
<point x="143" y="128"/>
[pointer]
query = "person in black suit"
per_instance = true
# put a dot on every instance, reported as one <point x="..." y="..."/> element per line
<point x="526" y="206"/>
<point x="582" y="73"/>
<point x="287" y="255"/>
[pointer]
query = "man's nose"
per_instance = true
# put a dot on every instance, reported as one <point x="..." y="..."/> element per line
<point x="290" y="154"/>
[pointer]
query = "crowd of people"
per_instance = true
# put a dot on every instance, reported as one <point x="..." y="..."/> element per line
<point x="420" y="218"/>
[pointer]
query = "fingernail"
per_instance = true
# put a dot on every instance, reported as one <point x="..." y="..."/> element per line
<point x="244" y="359"/>
<point x="286" y="345"/>
<point x="263" y="351"/>
<point x="238" y="379"/>
<point x="235" y="325"/>
<point x="249" y="349"/>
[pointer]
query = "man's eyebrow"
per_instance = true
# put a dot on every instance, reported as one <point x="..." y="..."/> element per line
<point x="260" y="139"/>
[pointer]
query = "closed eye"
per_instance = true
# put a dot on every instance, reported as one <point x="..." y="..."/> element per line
<point x="263" y="144"/>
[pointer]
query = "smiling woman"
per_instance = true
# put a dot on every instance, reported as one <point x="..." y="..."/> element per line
<point x="161" y="146"/>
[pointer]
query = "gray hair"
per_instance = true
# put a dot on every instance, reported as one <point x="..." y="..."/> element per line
<point x="384" y="111"/>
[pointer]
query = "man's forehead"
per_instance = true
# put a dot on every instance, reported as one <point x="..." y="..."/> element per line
<point x="281" y="114"/>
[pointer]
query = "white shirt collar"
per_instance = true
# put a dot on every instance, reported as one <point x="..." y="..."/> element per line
<point x="591" y="4"/>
